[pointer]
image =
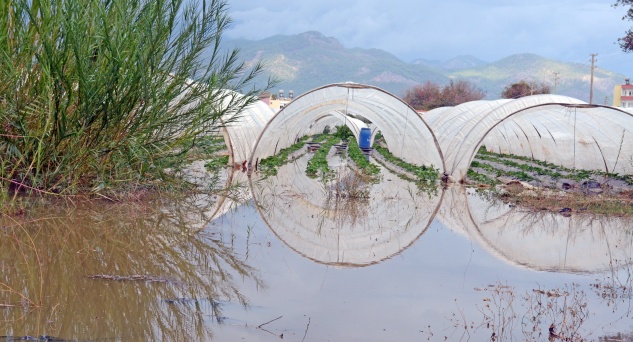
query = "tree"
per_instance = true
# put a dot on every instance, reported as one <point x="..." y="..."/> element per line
<point x="626" y="42"/>
<point x="524" y="88"/>
<point x="424" y="97"/>
<point x="430" y="95"/>
<point x="96" y="93"/>
<point x="461" y="91"/>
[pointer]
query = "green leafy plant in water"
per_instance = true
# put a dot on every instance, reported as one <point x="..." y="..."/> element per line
<point x="344" y="133"/>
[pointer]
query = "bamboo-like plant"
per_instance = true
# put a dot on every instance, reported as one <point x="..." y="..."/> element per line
<point x="96" y="94"/>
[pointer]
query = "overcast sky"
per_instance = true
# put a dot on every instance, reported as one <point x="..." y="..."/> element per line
<point x="566" y="30"/>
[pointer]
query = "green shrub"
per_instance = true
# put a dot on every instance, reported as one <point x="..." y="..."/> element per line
<point x="96" y="93"/>
<point x="217" y="163"/>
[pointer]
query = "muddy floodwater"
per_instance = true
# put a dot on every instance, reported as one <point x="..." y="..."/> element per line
<point x="298" y="259"/>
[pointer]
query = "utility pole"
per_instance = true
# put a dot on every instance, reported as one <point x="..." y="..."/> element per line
<point x="555" y="80"/>
<point x="593" y="67"/>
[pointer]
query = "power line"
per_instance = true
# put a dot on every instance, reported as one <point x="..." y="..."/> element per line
<point x="555" y="80"/>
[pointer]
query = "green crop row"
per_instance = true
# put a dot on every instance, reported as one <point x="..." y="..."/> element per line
<point x="318" y="162"/>
<point x="358" y="157"/>
<point x="424" y="174"/>
<point x="523" y="167"/>
<point x="319" y="137"/>
<point x="548" y="169"/>
<point x="521" y="175"/>
<point x="480" y="177"/>
<point x="268" y="166"/>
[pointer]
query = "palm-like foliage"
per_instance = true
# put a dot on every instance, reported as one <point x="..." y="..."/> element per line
<point x="96" y="93"/>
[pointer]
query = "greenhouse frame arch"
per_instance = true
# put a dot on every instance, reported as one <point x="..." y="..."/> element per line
<point x="401" y="126"/>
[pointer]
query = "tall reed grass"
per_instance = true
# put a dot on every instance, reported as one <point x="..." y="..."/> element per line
<point x="96" y="94"/>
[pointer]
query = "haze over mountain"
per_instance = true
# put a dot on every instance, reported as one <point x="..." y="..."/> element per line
<point x="309" y="60"/>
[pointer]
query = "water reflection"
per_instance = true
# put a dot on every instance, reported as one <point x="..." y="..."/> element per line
<point x="129" y="273"/>
<point x="320" y="221"/>
<point x="235" y="193"/>
<point x="541" y="241"/>
<point x="303" y="213"/>
<point x="163" y="271"/>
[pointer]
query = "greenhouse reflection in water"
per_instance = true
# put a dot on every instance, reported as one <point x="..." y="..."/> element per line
<point x="305" y="216"/>
<point x="308" y="251"/>
<point x="327" y="223"/>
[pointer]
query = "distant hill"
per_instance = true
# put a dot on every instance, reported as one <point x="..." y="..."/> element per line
<point x="573" y="78"/>
<point x="309" y="60"/>
<point x="457" y="63"/>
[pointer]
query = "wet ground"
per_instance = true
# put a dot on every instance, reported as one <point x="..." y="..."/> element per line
<point x="301" y="262"/>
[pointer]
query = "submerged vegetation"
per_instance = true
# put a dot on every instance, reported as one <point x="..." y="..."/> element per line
<point x="100" y="94"/>
<point x="555" y="314"/>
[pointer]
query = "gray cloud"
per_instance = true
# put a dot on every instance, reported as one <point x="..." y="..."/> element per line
<point x="568" y="30"/>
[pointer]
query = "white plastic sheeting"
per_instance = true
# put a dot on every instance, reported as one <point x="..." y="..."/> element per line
<point x="557" y="129"/>
<point x="462" y="133"/>
<point x="241" y="132"/>
<point x="336" y="119"/>
<point x="407" y="134"/>
<point x="450" y="125"/>
<point x="588" y="138"/>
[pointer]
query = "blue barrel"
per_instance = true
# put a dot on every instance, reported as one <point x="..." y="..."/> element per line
<point x="364" y="138"/>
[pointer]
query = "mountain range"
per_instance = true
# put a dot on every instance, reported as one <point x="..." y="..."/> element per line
<point x="309" y="60"/>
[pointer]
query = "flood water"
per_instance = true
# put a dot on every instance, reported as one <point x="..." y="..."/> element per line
<point x="301" y="261"/>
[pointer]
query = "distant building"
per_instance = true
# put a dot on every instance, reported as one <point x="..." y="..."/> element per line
<point x="265" y="97"/>
<point x="277" y="102"/>
<point x="623" y="94"/>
